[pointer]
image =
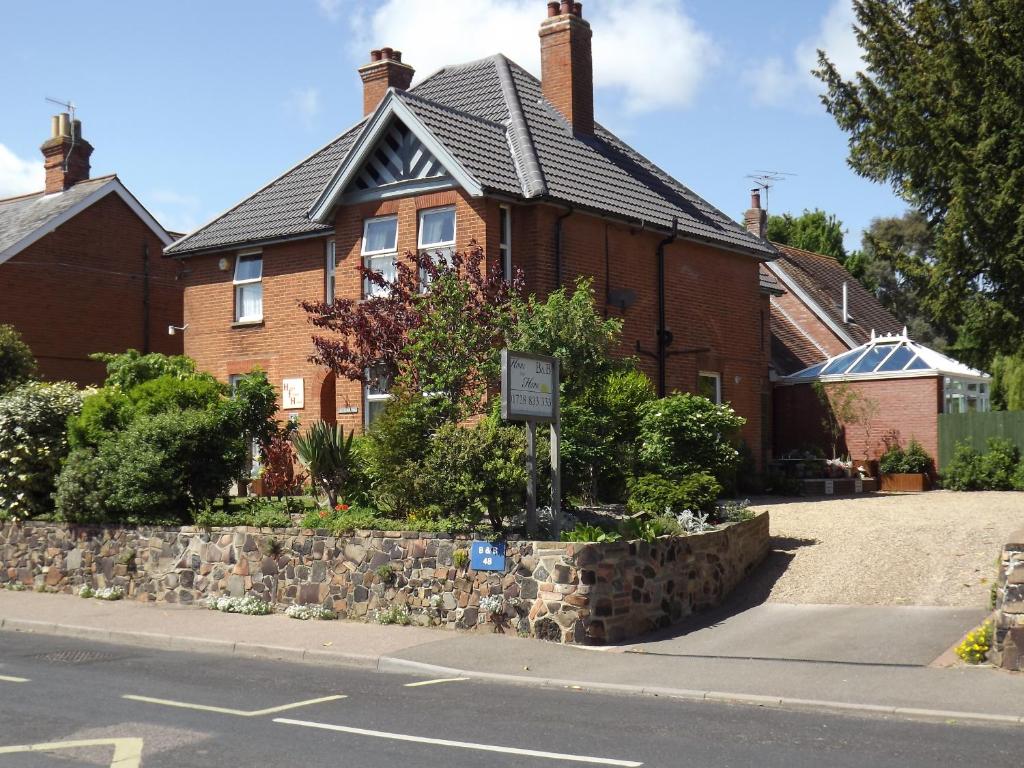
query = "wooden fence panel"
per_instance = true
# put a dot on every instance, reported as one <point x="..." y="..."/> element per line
<point x="976" y="429"/>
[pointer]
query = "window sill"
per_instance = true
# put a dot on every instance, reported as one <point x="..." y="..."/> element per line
<point x="248" y="323"/>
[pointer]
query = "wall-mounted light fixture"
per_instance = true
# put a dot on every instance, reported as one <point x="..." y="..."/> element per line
<point x="223" y="264"/>
<point x="173" y="329"/>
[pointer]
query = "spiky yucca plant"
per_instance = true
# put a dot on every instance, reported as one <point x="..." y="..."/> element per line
<point x="326" y="454"/>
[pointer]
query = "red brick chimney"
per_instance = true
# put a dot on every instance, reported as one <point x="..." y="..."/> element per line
<point x="65" y="154"/>
<point x="756" y="219"/>
<point x="566" y="64"/>
<point x="384" y="71"/>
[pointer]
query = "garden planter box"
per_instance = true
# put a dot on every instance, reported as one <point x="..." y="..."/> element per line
<point x="906" y="483"/>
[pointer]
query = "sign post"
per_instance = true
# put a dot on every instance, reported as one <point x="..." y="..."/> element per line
<point x="529" y="392"/>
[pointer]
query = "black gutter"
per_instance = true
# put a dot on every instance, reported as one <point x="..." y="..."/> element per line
<point x="558" y="245"/>
<point x="664" y="334"/>
<point x="145" y="298"/>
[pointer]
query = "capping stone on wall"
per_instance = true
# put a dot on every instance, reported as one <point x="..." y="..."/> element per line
<point x="1008" y="643"/>
<point x="560" y="591"/>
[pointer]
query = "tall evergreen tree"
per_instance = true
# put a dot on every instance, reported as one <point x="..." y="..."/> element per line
<point x="938" y="115"/>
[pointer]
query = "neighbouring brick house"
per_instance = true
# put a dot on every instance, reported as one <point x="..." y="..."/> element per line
<point x="483" y="151"/>
<point x="81" y="268"/>
<point x="825" y="326"/>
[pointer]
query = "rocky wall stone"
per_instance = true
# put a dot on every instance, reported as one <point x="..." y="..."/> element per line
<point x="565" y="592"/>
<point x="1008" y="635"/>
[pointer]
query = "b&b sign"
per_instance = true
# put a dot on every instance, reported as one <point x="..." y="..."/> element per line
<point x="529" y="387"/>
<point x="487" y="556"/>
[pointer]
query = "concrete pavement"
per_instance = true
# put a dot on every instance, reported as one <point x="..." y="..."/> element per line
<point x="880" y="680"/>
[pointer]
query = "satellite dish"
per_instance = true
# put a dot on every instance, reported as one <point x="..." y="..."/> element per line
<point x="623" y="298"/>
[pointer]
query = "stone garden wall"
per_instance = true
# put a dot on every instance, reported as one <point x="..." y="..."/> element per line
<point x="1008" y="643"/>
<point x="566" y="592"/>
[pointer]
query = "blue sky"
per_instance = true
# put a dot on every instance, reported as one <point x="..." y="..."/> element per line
<point x="196" y="104"/>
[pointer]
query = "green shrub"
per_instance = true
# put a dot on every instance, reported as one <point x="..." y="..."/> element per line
<point x="964" y="471"/>
<point x="1018" y="477"/>
<point x="258" y="514"/>
<point x="460" y="558"/>
<point x="913" y="460"/>
<point x="104" y="413"/>
<point x="684" y="434"/>
<point x="583" y="532"/>
<point x="33" y="441"/>
<point x="129" y="369"/>
<point x="475" y="471"/>
<point x="659" y="495"/>
<point x="17" y="365"/>
<point x="998" y="464"/>
<point x="327" y="455"/>
<point x="647" y="526"/>
<point x="167" y="394"/>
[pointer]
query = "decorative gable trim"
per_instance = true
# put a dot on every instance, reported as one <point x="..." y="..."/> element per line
<point x="383" y="155"/>
<point x="114" y="186"/>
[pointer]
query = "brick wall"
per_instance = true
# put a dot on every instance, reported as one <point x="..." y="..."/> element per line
<point x="811" y="324"/>
<point x="726" y="322"/>
<point x="906" y="409"/>
<point x="79" y="290"/>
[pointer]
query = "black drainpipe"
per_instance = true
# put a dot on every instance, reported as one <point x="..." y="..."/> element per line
<point x="664" y="335"/>
<point x="145" y="298"/>
<point x="558" y="246"/>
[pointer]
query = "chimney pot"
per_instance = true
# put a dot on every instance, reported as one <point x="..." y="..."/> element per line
<point x="384" y="71"/>
<point x="397" y="56"/>
<point x="566" y="8"/>
<point x="755" y="198"/>
<point x="577" y="9"/>
<point x="375" y="54"/>
<point x="55" y="126"/>
<point x="553" y="8"/>
<point x="386" y="53"/>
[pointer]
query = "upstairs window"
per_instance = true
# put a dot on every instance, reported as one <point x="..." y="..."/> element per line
<point x="505" y="240"/>
<point x="437" y="234"/>
<point x="380" y="250"/>
<point x="329" y="270"/>
<point x="249" y="288"/>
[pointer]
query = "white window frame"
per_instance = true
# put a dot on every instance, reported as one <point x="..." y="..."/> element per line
<point x="441" y="245"/>
<point x="718" y="384"/>
<point x="240" y="285"/>
<point x="368" y="397"/>
<point x="505" y="240"/>
<point x="370" y="289"/>
<point x="330" y="272"/>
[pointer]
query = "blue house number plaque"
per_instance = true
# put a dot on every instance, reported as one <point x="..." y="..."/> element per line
<point x="487" y="556"/>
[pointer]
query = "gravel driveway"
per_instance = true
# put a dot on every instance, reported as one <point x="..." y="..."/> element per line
<point x="936" y="548"/>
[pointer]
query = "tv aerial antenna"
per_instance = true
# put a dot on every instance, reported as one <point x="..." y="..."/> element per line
<point x="68" y="105"/>
<point x="768" y="179"/>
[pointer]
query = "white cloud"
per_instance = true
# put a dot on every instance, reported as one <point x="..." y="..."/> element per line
<point x="17" y="176"/>
<point x="304" y="102"/>
<point x="779" y="81"/>
<point x="651" y="53"/>
<point x="330" y="8"/>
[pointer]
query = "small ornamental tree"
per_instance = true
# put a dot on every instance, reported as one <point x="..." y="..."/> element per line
<point x="279" y="475"/>
<point x="437" y="325"/>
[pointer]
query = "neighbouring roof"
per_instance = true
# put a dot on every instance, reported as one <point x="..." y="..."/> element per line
<point x="490" y="114"/>
<point x="25" y="219"/>
<point x="792" y="349"/>
<point x="886" y="357"/>
<point x="767" y="282"/>
<point x="820" y="279"/>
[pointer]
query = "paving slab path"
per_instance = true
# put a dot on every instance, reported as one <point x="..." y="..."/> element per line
<point x="930" y="549"/>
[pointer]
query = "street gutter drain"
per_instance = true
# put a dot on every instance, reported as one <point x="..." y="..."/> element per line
<point x="79" y="657"/>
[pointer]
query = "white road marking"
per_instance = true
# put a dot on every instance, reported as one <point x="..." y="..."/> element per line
<point x="229" y="711"/>
<point x="461" y="744"/>
<point x="12" y="679"/>
<point x="435" y="682"/>
<point x="127" y="752"/>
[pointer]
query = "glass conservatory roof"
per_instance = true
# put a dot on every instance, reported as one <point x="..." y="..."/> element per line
<point x="887" y="357"/>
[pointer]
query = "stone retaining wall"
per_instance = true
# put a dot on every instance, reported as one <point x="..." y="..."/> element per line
<point x="573" y="593"/>
<point x="1008" y="644"/>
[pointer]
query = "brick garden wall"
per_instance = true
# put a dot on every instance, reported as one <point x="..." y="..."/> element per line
<point x="573" y="593"/>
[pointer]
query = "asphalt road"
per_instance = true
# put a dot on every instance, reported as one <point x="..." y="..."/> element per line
<point x="206" y="711"/>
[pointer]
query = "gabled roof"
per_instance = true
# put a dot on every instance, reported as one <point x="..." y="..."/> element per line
<point x="26" y="219"/>
<point x="491" y="117"/>
<point x="792" y="348"/>
<point x="818" y="280"/>
<point x="886" y="357"/>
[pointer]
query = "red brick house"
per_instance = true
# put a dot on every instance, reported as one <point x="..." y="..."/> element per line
<point x="81" y="268"/>
<point x="483" y="151"/>
<point x="826" y="327"/>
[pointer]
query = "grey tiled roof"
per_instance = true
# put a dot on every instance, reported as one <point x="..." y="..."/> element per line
<point x="768" y="282"/>
<point x="491" y="115"/>
<point x="21" y="216"/>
